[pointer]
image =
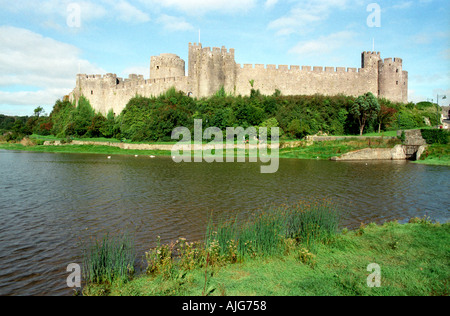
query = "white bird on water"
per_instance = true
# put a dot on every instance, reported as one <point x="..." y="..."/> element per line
<point x="109" y="157"/>
<point x="152" y="156"/>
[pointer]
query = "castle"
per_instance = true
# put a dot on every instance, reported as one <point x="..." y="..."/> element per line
<point x="211" y="69"/>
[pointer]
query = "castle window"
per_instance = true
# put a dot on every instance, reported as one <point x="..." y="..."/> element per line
<point x="397" y="83"/>
<point x="157" y="67"/>
<point x="397" y="70"/>
<point x="92" y="92"/>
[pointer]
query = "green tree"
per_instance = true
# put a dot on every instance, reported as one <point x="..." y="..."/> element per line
<point x="82" y="117"/>
<point x="38" y="111"/>
<point x="364" y="109"/>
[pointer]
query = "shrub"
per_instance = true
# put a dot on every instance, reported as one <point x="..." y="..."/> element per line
<point x="435" y="136"/>
<point x="405" y="120"/>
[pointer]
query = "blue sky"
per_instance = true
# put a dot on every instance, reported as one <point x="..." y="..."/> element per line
<point x="44" y="44"/>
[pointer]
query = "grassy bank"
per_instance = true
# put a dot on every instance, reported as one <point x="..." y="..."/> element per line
<point x="329" y="149"/>
<point x="318" y="150"/>
<point x="436" y="155"/>
<point x="413" y="259"/>
<point x="83" y="149"/>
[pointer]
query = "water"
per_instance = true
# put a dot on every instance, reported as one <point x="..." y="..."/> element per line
<point x="50" y="204"/>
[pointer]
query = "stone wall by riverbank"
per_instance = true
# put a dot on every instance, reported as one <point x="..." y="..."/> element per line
<point x="396" y="153"/>
<point x="336" y="138"/>
<point x="163" y="147"/>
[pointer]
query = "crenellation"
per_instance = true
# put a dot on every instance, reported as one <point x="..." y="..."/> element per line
<point x="209" y="69"/>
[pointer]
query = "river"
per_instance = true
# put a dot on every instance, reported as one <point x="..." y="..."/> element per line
<point x="51" y="204"/>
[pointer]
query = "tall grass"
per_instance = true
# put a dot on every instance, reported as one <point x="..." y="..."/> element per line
<point x="109" y="259"/>
<point x="266" y="232"/>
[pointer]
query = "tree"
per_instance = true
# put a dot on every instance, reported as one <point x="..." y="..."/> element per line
<point x="364" y="109"/>
<point x="385" y="116"/>
<point x="38" y="111"/>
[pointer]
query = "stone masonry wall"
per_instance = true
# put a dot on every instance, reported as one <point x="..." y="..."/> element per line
<point x="210" y="69"/>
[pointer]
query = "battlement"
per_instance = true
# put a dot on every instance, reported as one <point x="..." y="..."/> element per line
<point x="212" y="50"/>
<point x="211" y="68"/>
<point x="372" y="53"/>
<point x="295" y="68"/>
<point x="195" y="45"/>
<point x="217" y="51"/>
<point x="392" y="61"/>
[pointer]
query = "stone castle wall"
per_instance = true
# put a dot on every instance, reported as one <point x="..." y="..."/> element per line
<point x="210" y="69"/>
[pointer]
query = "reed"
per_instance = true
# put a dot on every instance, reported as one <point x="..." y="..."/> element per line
<point x="109" y="259"/>
<point x="266" y="232"/>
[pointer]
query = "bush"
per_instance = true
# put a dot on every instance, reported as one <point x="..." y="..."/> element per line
<point x="436" y="136"/>
<point x="405" y="120"/>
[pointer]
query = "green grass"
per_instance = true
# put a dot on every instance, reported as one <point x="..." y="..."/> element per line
<point x="83" y="149"/>
<point x="295" y="250"/>
<point x="413" y="259"/>
<point x="329" y="149"/>
<point x="436" y="155"/>
<point x="95" y="139"/>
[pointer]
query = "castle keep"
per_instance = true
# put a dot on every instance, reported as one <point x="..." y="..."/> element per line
<point x="211" y="69"/>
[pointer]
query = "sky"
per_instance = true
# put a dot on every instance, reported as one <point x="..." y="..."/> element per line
<point x="44" y="44"/>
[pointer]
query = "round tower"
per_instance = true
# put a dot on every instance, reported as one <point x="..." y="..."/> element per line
<point x="390" y="79"/>
<point x="167" y="66"/>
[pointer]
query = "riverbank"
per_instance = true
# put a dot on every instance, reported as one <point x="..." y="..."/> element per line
<point x="83" y="149"/>
<point x="321" y="150"/>
<point x="288" y="149"/>
<point x="413" y="260"/>
<point x="436" y="155"/>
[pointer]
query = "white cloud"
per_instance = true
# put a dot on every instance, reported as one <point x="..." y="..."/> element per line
<point x="174" y="24"/>
<point x="270" y="4"/>
<point x="303" y="16"/>
<point x="55" y="12"/>
<point x="324" y="44"/>
<point x="51" y="8"/>
<point x="127" y="12"/>
<point x="403" y="5"/>
<point x="199" y="7"/>
<point x="37" y="70"/>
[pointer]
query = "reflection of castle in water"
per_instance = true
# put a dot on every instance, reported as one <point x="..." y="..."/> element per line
<point x="211" y="69"/>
